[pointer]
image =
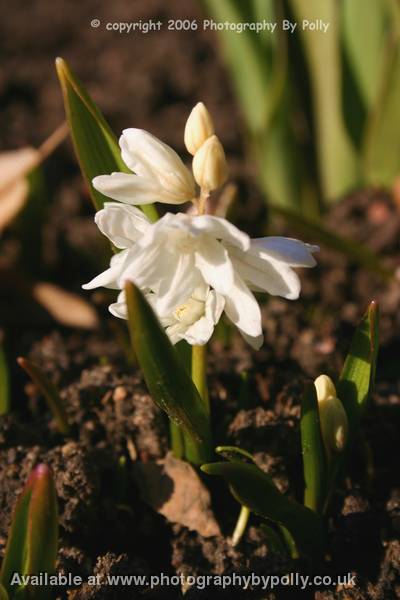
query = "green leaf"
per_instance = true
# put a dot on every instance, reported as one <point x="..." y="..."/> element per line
<point x="355" y="385"/>
<point x="312" y="449"/>
<point x="49" y="391"/>
<point x="364" y="40"/>
<point x="276" y="543"/>
<point x="32" y="542"/>
<point x="3" y="593"/>
<point x="246" y="61"/>
<point x="95" y="144"/>
<point x="358" y="374"/>
<point x="382" y="140"/>
<point x="256" y="490"/>
<point x="338" y="163"/>
<point x="167" y="379"/>
<point x="234" y="454"/>
<point x="4" y="383"/>
<point x="258" y="66"/>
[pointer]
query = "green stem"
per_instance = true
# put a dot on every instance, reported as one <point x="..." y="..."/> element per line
<point x="199" y="373"/>
<point x="177" y="440"/>
<point x="196" y="453"/>
<point x="241" y="525"/>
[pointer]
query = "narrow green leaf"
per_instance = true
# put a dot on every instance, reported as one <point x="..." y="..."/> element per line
<point x="49" y="391"/>
<point x="276" y="542"/>
<point x="312" y="449"/>
<point x="358" y="374"/>
<point x="95" y="144"/>
<point x="256" y="490"/>
<point x="355" y="385"/>
<point x="382" y="140"/>
<point x="4" y="383"/>
<point x="364" y="40"/>
<point x="234" y="454"/>
<point x="177" y="436"/>
<point x="33" y="537"/>
<point x="338" y="163"/>
<point x="167" y="380"/>
<point x="246" y="61"/>
<point x="355" y="251"/>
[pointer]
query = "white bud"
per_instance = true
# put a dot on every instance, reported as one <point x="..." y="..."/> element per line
<point x="209" y="165"/>
<point x="199" y="127"/>
<point x="325" y="387"/>
<point x="332" y="416"/>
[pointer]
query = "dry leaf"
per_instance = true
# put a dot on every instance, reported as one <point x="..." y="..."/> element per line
<point x="65" y="307"/>
<point x="12" y="201"/>
<point x="173" y="488"/>
<point x="14" y="166"/>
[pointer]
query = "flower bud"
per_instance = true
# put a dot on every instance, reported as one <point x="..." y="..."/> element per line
<point x="209" y="165"/>
<point x="332" y="416"/>
<point x="199" y="127"/>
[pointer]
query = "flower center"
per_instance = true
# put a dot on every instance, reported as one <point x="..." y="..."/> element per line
<point x="190" y="312"/>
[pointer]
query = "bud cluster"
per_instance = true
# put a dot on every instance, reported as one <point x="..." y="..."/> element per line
<point x="209" y="163"/>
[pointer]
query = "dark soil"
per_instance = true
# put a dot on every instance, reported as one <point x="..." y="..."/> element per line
<point x="152" y="81"/>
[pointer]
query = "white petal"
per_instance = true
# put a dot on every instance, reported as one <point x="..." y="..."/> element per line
<point x="148" y="157"/>
<point x="199" y="333"/>
<point x="119" y="309"/>
<point x="255" y="342"/>
<point x="122" y="224"/>
<point x="176" y="332"/>
<point x="263" y="273"/>
<point x="176" y="289"/>
<point x="215" y="304"/>
<point x="131" y="189"/>
<point x="141" y="267"/>
<point x="220" y="229"/>
<point x="243" y="310"/>
<point x="213" y="261"/>
<point x="110" y="277"/>
<point x="293" y="252"/>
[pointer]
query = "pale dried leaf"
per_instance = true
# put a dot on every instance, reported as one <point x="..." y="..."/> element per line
<point x="12" y="201"/>
<point x="65" y="307"/>
<point x="173" y="488"/>
<point x="14" y="166"/>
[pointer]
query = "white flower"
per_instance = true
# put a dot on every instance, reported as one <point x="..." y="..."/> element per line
<point x="158" y="175"/>
<point x="193" y="321"/>
<point x="172" y="259"/>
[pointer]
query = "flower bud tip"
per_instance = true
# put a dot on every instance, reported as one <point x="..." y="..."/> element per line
<point x="209" y="165"/>
<point x="199" y="127"/>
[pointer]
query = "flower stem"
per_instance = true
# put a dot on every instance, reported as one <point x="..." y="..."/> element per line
<point x="199" y="373"/>
<point x="202" y="202"/>
<point x="241" y="525"/>
<point x="203" y="451"/>
<point x="177" y="440"/>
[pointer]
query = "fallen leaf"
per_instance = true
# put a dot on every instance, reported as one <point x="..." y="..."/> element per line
<point x="14" y="166"/>
<point x="65" y="307"/>
<point x="12" y="201"/>
<point x="173" y="488"/>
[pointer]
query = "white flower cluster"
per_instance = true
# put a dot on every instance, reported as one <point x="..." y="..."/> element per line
<point x="191" y="268"/>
